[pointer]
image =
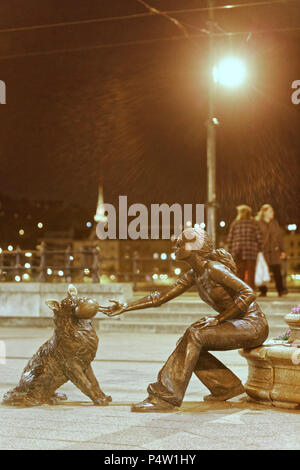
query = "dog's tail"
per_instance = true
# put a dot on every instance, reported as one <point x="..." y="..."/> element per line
<point x="17" y="398"/>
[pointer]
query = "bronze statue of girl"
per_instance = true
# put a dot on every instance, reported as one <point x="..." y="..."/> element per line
<point x="239" y="324"/>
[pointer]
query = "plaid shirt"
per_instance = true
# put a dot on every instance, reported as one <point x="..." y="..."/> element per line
<point x="245" y="239"/>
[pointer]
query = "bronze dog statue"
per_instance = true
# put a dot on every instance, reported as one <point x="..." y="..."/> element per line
<point x="66" y="356"/>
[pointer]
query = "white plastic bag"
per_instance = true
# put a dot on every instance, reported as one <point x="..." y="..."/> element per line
<point x="262" y="274"/>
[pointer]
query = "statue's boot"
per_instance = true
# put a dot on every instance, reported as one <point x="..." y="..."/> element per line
<point x="154" y="405"/>
<point x="234" y="392"/>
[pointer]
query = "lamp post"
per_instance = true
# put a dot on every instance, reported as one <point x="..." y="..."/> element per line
<point x="211" y="137"/>
<point x="229" y="72"/>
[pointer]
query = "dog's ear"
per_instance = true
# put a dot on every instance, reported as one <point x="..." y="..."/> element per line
<point x="53" y="304"/>
<point x="72" y="291"/>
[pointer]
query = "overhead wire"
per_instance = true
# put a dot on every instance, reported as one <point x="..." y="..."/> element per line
<point x="152" y="11"/>
<point x="143" y="15"/>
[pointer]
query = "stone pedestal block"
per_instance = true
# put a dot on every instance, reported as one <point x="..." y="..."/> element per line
<point x="28" y="299"/>
<point x="274" y="369"/>
<point x="274" y="375"/>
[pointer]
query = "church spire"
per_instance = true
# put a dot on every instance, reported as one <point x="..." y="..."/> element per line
<point x="100" y="213"/>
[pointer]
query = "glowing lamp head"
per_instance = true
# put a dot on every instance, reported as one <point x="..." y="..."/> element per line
<point x="230" y="72"/>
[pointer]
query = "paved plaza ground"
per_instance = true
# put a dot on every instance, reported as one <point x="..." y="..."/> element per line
<point x="125" y="364"/>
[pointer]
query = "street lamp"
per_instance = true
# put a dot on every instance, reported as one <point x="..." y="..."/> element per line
<point x="229" y="72"/>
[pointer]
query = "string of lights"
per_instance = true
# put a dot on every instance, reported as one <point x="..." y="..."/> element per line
<point x="145" y="14"/>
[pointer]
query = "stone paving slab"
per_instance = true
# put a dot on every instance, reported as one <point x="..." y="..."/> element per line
<point x="124" y="366"/>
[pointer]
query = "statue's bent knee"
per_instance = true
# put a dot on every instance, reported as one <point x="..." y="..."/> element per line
<point x="192" y="334"/>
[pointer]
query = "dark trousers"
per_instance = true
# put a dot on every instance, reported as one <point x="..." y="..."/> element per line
<point x="246" y="270"/>
<point x="276" y="270"/>
<point x="191" y="355"/>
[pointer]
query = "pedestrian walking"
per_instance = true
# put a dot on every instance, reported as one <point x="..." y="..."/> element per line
<point x="273" y="248"/>
<point x="244" y="243"/>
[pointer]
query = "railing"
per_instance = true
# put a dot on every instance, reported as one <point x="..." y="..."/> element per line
<point x="88" y="264"/>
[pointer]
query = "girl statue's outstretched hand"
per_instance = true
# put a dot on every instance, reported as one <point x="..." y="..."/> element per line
<point x="113" y="310"/>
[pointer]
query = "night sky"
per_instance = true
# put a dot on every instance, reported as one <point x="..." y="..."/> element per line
<point x="134" y="116"/>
